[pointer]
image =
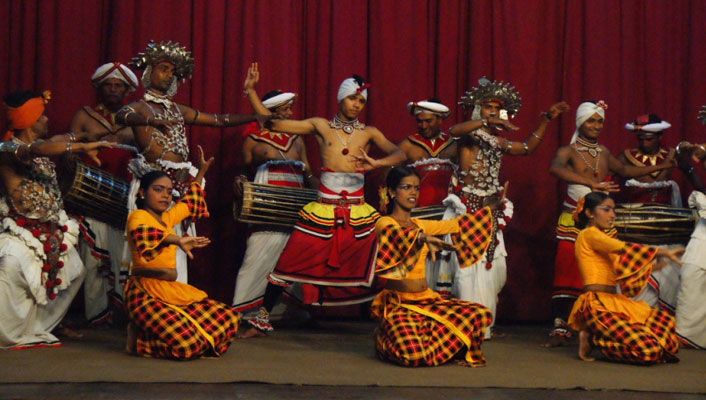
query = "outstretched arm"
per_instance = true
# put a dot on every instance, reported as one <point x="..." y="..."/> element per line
<point x="631" y="171"/>
<point x="464" y="128"/>
<point x="395" y="155"/>
<point x="559" y="168"/>
<point x="195" y="117"/>
<point x="535" y="138"/>
<point x="294" y="127"/>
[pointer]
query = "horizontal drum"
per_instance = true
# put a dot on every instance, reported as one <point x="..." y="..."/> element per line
<point x="271" y="204"/>
<point x="92" y="192"/>
<point x="430" y="212"/>
<point x="654" y="223"/>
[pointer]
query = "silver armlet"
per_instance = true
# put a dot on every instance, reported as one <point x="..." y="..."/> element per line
<point x="525" y="147"/>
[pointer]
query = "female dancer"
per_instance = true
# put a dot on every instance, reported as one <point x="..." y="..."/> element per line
<point x="418" y="327"/>
<point x="622" y="329"/>
<point x="169" y="319"/>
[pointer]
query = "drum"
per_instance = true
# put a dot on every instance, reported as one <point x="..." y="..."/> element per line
<point x="431" y="212"/>
<point x="654" y="223"/>
<point x="94" y="193"/>
<point x="271" y="204"/>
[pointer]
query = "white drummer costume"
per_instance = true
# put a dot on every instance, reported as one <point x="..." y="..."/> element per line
<point x="662" y="288"/>
<point x="266" y="242"/>
<point x="434" y="177"/>
<point x="40" y="270"/>
<point x="101" y="244"/>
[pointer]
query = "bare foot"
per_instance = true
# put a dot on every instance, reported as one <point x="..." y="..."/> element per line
<point x="131" y="344"/>
<point x="64" y="331"/>
<point x="585" y="346"/>
<point x="251" y="332"/>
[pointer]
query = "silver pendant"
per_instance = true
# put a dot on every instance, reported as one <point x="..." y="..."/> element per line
<point x="348" y="129"/>
<point x="593" y="153"/>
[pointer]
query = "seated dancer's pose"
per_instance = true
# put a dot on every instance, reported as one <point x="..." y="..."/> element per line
<point x="656" y="187"/>
<point x="332" y="248"/>
<point x="622" y="329"/>
<point x="170" y="319"/>
<point x="101" y="245"/>
<point x="40" y="270"/>
<point x="480" y="152"/>
<point x="432" y="153"/>
<point x="277" y="159"/>
<point x="417" y="326"/>
<point x="158" y="124"/>
<point x="585" y="166"/>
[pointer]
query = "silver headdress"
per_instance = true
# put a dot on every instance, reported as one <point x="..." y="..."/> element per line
<point x="172" y="52"/>
<point x="487" y="90"/>
<point x="702" y="114"/>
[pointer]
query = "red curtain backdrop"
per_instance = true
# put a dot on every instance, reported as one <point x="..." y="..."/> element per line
<point x="639" y="56"/>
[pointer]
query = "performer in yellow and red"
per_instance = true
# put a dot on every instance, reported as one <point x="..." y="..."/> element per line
<point x="417" y="326"/>
<point x="622" y="329"/>
<point x="170" y="319"/>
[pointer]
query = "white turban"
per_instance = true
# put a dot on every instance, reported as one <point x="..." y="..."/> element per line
<point x="279" y="100"/>
<point x="115" y="70"/>
<point x="585" y="111"/>
<point x="438" y="109"/>
<point x="351" y="86"/>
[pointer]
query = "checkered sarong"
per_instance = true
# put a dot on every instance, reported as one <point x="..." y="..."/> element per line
<point x="430" y="333"/>
<point x="204" y="328"/>
<point x="617" y="339"/>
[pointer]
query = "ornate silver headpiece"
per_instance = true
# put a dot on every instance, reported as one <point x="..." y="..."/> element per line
<point x="172" y="52"/>
<point x="487" y="90"/>
<point x="702" y="114"/>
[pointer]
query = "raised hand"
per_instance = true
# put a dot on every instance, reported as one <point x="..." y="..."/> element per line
<point x="365" y="162"/>
<point x="203" y="165"/>
<point x="606" y="187"/>
<point x="252" y="78"/>
<point x="503" y="124"/>
<point x="91" y="149"/>
<point x="556" y="109"/>
<point x="187" y="243"/>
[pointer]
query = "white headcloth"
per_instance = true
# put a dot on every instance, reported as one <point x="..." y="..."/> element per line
<point x="115" y="70"/>
<point x="350" y="86"/>
<point x="416" y="107"/>
<point x="279" y="100"/>
<point x="585" y="111"/>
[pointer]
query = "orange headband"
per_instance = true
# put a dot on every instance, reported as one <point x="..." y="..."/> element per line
<point x="24" y="116"/>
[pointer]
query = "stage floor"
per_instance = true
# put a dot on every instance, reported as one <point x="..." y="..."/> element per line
<point x="337" y="360"/>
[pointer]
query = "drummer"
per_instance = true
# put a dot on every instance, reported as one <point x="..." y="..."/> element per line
<point x="585" y="166"/>
<point x="432" y="154"/>
<point x="274" y="158"/>
<point x="40" y="270"/>
<point x="656" y="187"/>
<point x="100" y="244"/>
<point x="158" y="125"/>
<point x="331" y="250"/>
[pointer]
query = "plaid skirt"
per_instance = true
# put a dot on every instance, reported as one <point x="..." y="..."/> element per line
<point x="619" y="339"/>
<point x="204" y="328"/>
<point x="430" y="333"/>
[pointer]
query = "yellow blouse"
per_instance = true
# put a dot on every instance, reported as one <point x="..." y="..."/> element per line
<point x="145" y="235"/>
<point x="596" y="254"/>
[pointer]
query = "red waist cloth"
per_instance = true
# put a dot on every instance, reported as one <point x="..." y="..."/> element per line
<point x="285" y="175"/>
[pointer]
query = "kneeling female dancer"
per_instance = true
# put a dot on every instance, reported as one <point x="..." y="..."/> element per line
<point x="623" y="330"/>
<point x="169" y="319"/>
<point x="417" y="326"/>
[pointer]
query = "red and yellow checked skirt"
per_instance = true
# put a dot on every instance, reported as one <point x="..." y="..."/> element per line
<point x="204" y="328"/>
<point x="431" y="332"/>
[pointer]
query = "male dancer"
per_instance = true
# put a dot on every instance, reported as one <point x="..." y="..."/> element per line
<point x="332" y="249"/>
<point x="158" y="124"/>
<point x="480" y="152"/>
<point x="276" y="158"/>
<point x="101" y="244"/>
<point x="585" y="166"/>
